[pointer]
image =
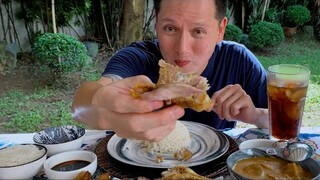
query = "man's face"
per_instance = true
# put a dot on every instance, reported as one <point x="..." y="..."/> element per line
<point x="188" y="32"/>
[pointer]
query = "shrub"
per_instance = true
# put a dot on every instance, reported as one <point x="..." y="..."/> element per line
<point x="272" y="15"/>
<point x="233" y="33"/>
<point x="60" y="52"/>
<point x="296" y="15"/>
<point x="265" y="34"/>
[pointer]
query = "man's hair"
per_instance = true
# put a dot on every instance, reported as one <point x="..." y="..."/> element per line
<point x="221" y="6"/>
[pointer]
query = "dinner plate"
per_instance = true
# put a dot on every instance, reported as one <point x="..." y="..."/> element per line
<point x="207" y="144"/>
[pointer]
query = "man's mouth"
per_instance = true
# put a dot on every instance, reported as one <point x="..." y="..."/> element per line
<point x="181" y="63"/>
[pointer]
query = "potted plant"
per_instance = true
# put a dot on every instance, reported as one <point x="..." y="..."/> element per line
<point x="296" y="15"/>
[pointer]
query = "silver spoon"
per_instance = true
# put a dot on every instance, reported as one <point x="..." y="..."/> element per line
<point x="295" y="152"/>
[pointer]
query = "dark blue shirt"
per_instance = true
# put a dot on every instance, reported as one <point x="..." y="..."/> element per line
<point x="231" y="63"/>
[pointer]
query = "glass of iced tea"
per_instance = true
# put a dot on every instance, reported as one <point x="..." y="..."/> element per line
<point x="287" y="88"/>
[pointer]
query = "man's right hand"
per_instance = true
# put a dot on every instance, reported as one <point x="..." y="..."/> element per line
<point x="109" y="105"/>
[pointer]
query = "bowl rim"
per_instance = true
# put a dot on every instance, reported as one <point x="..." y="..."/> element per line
<point x="69" y="153"/>
<point x="42" y="143"/>
<point x="230" y="167"/>
<point x="252" y="142"/>
<point x="39" y="145"/>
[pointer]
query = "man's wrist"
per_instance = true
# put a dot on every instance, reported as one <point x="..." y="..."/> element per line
<point x="261" y="118"/>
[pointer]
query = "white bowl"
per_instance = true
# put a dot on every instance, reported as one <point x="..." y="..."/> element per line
<point x="253" y="143"/>
<point x="60" y="139"/>
<point x="70" y="156"/>
<point x="27" y="169"/>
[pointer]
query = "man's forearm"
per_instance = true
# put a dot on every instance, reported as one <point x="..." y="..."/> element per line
<point x="82" y="108"/>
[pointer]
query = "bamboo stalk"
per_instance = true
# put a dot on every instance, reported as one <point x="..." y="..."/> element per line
<point x="53" y="17"/>
<point x="105" y="25"/>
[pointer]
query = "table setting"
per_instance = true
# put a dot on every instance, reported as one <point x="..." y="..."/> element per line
<point x="215" y="167"/>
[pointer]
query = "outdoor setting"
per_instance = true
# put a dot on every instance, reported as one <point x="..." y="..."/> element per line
<point x="49" y="48"/>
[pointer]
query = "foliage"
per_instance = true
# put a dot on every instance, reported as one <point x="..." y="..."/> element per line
<point x="104" y="21"/>
<point x="265" y="34"/>
<point x="316" y="30"/>
<point x="297" y="15"/>
<point x="233" y="33"/>
<point x="272" y="15"/>
<point x="35" y="12"/>
<point x="60" y="52"/>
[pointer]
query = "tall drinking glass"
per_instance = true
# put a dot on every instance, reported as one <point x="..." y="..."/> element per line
<point x="287" y="88"/>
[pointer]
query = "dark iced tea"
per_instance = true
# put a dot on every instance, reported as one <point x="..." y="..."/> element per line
<point x="287" y="88"/>
<point x="286" y="106"/>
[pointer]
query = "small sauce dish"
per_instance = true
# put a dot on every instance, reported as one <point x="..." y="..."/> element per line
<point x="254" y="143"/>
<point x="60" y="139"/>
<point x="68" y="165"/>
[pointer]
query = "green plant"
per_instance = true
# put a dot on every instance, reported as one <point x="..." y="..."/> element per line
<point x="296" y="15"/>
<point x="316" y="30"/>
<point x="60" y="52"/>
<point x="272" y="15"/>
<point x="233" y="33"/>
<point x="265" y="34"/>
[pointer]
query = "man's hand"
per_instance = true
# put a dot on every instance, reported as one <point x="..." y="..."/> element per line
<point x="233" y="103"/>
<point x="113" y="108"/>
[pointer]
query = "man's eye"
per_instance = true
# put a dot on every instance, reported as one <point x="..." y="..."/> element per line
<point x="170" y="29"/>
<point x="199" y="32"/>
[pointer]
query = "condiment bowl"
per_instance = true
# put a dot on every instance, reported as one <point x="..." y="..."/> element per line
<point x="309" y="164"/>
<point x="68" y="165"/>
<point x="21" y="161"/>
<point x="254" y="143"/>
<point x="60" y="139"/>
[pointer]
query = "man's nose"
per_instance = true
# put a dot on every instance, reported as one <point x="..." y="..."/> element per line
<point x="183" y="43"/>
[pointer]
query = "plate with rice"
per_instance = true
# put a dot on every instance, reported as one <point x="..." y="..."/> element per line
<point x="204" y="142"/>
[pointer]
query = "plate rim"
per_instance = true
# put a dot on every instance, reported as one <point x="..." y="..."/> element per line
<point x="221" y="150"/>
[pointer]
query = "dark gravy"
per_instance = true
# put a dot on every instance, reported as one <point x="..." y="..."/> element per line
<point x="70" y="165"/>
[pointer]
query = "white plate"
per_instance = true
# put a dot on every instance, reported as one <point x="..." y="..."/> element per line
<point x="207" y="144"/>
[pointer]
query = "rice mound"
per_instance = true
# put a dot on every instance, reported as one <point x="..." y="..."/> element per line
<point x="178" y="139"/>
<point x="19" y="154"/>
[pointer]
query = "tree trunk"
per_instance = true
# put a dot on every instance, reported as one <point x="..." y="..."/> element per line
<point x="131" y="25"/>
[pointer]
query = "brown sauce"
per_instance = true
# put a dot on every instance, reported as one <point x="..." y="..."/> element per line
<point x="70" y="165"/>
<point x="270" y="168"/>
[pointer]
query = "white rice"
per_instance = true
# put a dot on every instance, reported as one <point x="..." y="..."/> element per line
<point x="19" y="154"/>
<point x="178" y="139"/>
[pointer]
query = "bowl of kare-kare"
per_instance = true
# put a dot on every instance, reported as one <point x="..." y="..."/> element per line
<point x="250" y="163"/>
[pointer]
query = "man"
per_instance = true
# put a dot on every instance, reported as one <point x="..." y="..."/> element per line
<point x="190" y="34"/>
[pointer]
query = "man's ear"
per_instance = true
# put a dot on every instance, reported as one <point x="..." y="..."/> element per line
<point x="222" y="28"/>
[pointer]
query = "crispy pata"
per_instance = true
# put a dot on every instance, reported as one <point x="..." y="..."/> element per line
<point x="175" y="87"/>
<point x="181" y="172"/>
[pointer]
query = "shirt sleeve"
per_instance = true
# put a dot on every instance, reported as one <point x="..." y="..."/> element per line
<point x="135" y="59"/>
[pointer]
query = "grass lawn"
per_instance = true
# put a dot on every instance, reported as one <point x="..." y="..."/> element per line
<point x="29" y="111"/>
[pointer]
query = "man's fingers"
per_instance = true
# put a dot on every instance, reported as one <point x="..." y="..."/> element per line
<point x="229" y="104"/>
<point x="157" y="134"/>
<point x="228" y="101"/>
<point x="145" y="126"/>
